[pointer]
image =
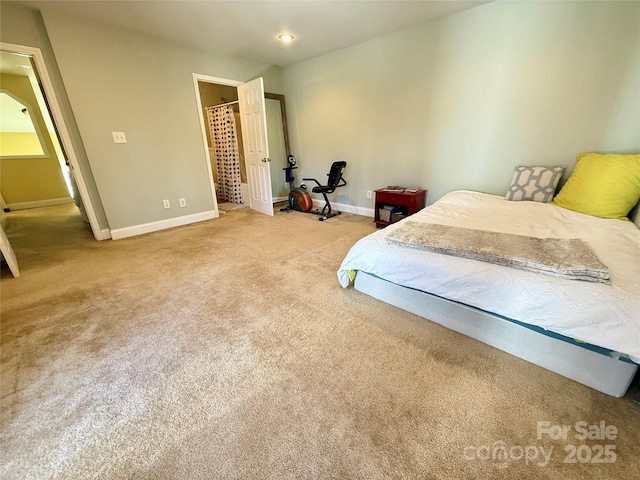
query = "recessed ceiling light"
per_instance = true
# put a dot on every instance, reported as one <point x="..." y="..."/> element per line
<point x="285" y="37"/>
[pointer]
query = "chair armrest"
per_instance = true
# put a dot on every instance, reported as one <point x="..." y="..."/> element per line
<point x="312" y="179"/>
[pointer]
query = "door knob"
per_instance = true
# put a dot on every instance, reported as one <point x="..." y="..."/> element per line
<point x="266" y="160"/>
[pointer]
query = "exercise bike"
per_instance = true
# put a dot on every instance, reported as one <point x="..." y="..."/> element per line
<point x="300" y="200"/>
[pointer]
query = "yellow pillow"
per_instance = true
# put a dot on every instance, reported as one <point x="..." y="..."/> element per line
<point x="602" y="185"/>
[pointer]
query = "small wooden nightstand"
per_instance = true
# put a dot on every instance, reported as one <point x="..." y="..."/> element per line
<point x="407" y="202"/>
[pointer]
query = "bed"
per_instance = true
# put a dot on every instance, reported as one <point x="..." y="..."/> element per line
<point x="587" y="331"/>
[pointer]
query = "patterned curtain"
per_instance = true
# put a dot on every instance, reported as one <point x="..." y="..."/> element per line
<point x="224" y="140"/>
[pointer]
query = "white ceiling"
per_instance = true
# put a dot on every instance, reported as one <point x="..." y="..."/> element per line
<point x="249" y="29"/>
<point x="12" y="118"/>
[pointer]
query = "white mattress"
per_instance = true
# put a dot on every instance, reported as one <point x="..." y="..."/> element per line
<point x="603" y="315"/>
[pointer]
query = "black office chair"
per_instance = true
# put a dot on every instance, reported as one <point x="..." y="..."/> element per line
<point x="334" y="181"/>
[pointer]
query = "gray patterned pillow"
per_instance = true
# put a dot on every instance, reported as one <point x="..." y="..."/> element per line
<point x="537" y="184"/>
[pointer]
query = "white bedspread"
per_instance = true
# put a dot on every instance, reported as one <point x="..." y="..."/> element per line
<point x="603" y="315"/>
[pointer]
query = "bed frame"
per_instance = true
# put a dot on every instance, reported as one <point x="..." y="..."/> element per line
<point x="590" y="365"/>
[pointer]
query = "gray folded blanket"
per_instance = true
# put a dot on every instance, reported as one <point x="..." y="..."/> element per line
<point x="572" y="259"/>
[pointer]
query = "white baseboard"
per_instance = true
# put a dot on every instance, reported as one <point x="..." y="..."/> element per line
<point x="343" y="207"/>
<point x="40" y="203"/>
<point x="118" y="233"/>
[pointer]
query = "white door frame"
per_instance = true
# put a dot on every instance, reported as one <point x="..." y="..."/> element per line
<point x="61" y="127"/>
<point x="221" y="81"/>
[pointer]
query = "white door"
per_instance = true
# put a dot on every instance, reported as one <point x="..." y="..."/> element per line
<point x="253" y="120"/>
<point x="8" y="254"/>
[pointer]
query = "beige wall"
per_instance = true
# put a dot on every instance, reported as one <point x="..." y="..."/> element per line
<point x="20" y="144"/>
<point x="30" y="179"/>
<point x="456" y="103"/>
<point x="142" y="86"/>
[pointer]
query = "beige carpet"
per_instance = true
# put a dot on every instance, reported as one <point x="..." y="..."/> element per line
<point x="227" y="349"/>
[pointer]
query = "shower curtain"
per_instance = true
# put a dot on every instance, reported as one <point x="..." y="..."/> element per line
<point x="224" y="140"/>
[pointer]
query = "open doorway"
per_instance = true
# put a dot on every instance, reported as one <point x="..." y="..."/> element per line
<point x="29" y="146"/>
<point x="54" y="165"/>
<point x="213" y="92"/>
<point x="221" y="114"/>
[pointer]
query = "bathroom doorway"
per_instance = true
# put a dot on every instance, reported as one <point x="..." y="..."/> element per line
<point x="216" y="92"/>
<point x="221" y="102"/>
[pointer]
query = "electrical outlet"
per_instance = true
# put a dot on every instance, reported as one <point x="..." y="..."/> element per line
<point x="183" y="202"/>
<point x="369" y="193"/>
<point x="166" y="203"/>
<point x="119" y="137"/>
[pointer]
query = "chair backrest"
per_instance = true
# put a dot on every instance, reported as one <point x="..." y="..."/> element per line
<point x="335" y="174"/>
